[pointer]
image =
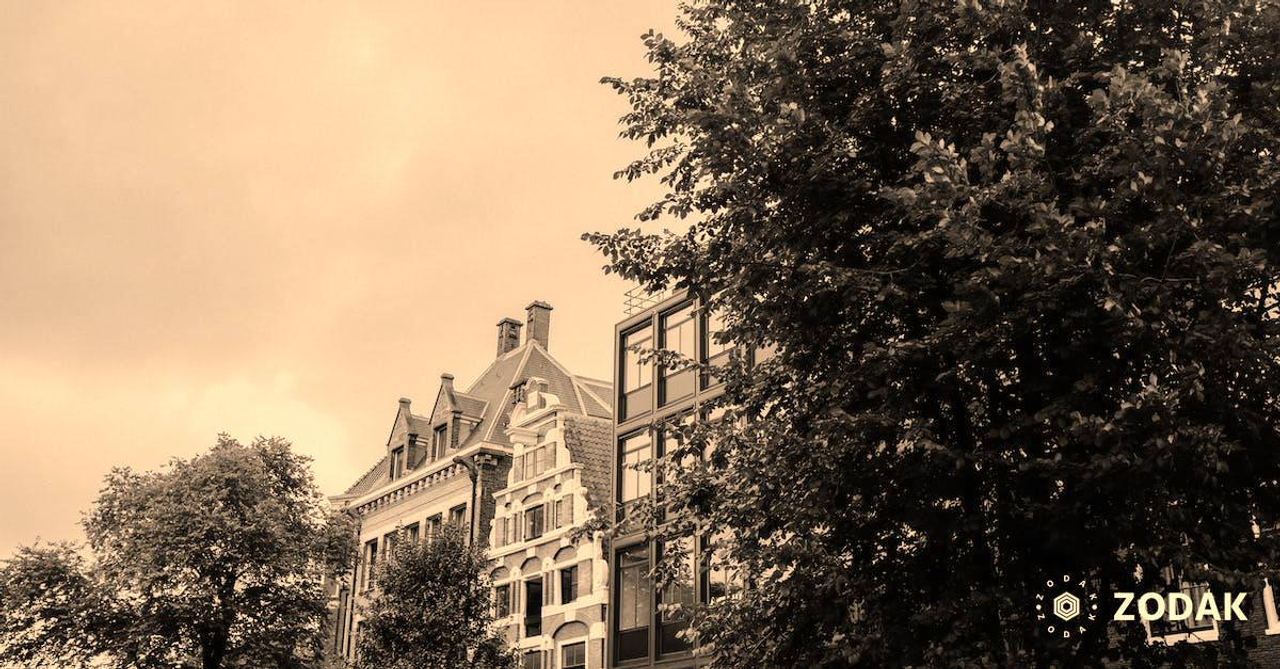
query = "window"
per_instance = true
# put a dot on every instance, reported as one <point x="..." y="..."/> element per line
<point x="397" y="463"/>
<point x="679" y="592"/>
<point x="458" y="516"/>
<point x="532" y="660"/>
<point x="412" y="533"/>
<point x="673" y="439"/>
<point x="568" y="584"/>
<point x="546" y="458"/>
<point x="535" y="462"/>
<point x="1191" y="626"/>
<point x="717" y="579"/>
<point x="389" y="545"/>
<point x="533" y="521"/>
<point x="574" y="656"/>
<point x="433" y="526"/>
<point x="714" y="353"/>
<point x="635" y="604"/>
<point x="635" y="483"/>
<point x="533" y="607"/>
<point x="564" y="511"/>
<point x="439" y="441"/>
<point x="678" y="336"/>
<point x="637" y="377"/>
<point x="502" y="600"/>
<point x="371" y="563"/>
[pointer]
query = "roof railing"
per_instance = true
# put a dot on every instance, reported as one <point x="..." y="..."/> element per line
<point x="638" y="299"/>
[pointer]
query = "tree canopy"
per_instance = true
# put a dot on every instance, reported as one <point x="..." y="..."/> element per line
<point x="214" y="561"/>
<point x="1019" y="263"/>
<point x="433" y="608"/>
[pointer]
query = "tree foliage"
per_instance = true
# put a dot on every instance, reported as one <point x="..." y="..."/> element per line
<point x="1019" y="261"/>
<point x="433" y="608"/>
<point x="215" y="561"/>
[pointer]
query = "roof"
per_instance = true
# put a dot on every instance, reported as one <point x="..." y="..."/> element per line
<point x="490" y="399"/>
<point x="589" y="441"/>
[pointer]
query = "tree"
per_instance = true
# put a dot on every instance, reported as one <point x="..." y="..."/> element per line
<point x="433" y="608"/>
<point x="1019" y="262"/>
<point x="215" y="561"/>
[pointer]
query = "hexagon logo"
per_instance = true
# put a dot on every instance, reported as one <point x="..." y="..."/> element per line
<point x="1066" y="606"/>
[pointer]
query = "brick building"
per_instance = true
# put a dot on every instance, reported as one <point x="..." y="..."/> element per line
<point x="444" y="466"/>
<point x="550" y="586"/>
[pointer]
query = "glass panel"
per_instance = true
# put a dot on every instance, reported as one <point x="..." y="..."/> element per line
<point x="533" y="660"/>
<point x="533" y="522"/>
<point x="637" y="401"/>
<point x="635" y="591"/>
<point x="502" y="601"/>
<point x="574" y="656"/>
<point x="635" y="603"/>
<point x="679" y="591"/>
<point x="635" y="374"/>
<point x="678" y="336"/>
<point x="713" y="352"/>
<point x="637" y="377"/>
<point x="678" y="385"/>
<point x="635" y="483"/>
<point x="568" y="585"/>
<point x="533" y="607"/>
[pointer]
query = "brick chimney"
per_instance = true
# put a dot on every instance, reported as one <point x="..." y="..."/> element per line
<point x="508" y="335"/>
<point x="539" y="322"/>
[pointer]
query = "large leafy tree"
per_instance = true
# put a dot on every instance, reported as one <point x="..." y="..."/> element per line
<point x="433" y="608"/>
<point x="215" y="561"/>
<point x="1019" y="261"/>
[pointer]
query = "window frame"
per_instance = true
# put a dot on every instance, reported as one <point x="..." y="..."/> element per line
<point x="564" y="655"/>
<point x="569" y="584"/>
<point x="642" y="609"/>
<point x="536" y="512"/>
<point x="688" y="374"/>
<point x="631" y="399"/>
<point x="643" y="479"/>
<point x="529" y="629"/>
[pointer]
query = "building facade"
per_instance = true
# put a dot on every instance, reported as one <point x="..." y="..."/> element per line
<point x="445" y="465"/>
<point x="648" y="397"/>
<point x="551" y="581"/>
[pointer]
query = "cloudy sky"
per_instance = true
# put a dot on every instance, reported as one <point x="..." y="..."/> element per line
<point x="279" y="217"/>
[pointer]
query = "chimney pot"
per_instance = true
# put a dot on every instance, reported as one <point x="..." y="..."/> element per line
<point x="539" y="322"/>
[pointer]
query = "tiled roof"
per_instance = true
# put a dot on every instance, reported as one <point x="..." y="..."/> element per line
<point x="603" y="391"/>
<point x="589" y="441"/>
<point x="470" y="406"/>
<point x="376" y="476"/>
<point x="490" y="399"/>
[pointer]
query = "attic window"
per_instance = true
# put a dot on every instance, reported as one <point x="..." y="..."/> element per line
<point x="397" y="463"/>
<point x="439" y="441"/>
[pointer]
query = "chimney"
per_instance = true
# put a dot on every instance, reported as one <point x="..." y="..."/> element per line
<point x="539" y="323"/>
<point x="446" y="380"/>
<point x="508" y="335"/>
<point x="404" y="404"/>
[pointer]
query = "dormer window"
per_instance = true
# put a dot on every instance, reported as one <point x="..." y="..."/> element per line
<point x="397" y="463"/>
<point x="439" y="441"/>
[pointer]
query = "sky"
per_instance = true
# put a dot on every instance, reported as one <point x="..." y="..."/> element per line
<point x="277" y="218"/>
